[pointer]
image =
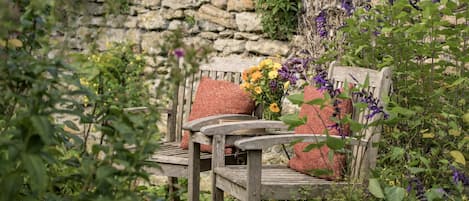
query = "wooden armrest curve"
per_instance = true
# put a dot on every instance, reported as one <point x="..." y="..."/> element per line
<point x="261" y="142"/>
<point x="227" y="128"/>
<point x="197" y="124"/>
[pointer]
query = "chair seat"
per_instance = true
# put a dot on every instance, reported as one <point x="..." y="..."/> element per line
<point x="171" y="152"/>
<point x="172" y="160"/>
<point x="278" y="182"/>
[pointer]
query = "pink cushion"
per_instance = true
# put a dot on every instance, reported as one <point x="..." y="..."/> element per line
<point x="318" y="158"/>
<point x="214" y="97"/>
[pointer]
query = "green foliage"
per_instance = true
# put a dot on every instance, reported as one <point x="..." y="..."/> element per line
<point x="42" y="154"/>
<point x="426" y="138"/>
<point x="279" y="17"/>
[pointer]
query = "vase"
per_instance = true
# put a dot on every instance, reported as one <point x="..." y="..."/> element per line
<point x="267" y="114"/>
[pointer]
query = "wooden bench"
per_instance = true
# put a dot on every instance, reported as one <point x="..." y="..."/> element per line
<point x="253" y="182"/>
<point x="173" y="160"/>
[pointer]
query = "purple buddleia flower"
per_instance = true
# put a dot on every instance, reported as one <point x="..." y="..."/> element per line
<point x="294" y="69"/>
<point x="416" y="184"/>
<point x="347" y="5"/>
<point x="373" y="103"/>
<point x="321" y="22"/>
<point x="179" y="53"/>
<point x="459" y="176"/>
<point x="391" y="2"/>
<point x="436" y="1"/>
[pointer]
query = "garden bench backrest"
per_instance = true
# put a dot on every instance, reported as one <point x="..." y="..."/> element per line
<point x="229" y="69"/>
<point x="379" y="85"/>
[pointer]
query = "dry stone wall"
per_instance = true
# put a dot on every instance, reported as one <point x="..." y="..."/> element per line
<point x="231" y="27"/>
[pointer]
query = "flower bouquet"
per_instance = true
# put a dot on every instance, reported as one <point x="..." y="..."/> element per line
<point x="268" y="83"/>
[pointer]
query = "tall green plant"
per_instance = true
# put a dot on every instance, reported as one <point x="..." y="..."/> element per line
<point x="279" y="17"/>
<point x="426" y="144"/>
<point x="40" y="157"/>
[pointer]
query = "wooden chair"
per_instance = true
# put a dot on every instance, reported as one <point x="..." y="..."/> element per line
<point x="173" y="160"/>
<point x="254" y="182"/>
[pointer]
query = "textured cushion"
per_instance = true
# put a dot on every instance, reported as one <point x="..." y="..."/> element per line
<point x="318" y="158"/>
<point x="214" y="97"/>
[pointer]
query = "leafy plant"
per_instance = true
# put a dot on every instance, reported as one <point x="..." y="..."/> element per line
<point x="425" y="145"/>
<point x="279" y="17"/>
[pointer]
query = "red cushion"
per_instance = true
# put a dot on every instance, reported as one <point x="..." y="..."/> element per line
<point x="318" y="158"/>
<point x="214" y="97"/>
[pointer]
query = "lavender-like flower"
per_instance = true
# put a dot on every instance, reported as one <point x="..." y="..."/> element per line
<point x="391" y="2"/>
<point x="321" y="22"/>
<point x="419" y="188"/>
<point x="348" y="6"/>
<point x="294" y="69"/>
<point x="179" y="53"/>
<point x="373" y="103"/>
<point x="459" y="176"/>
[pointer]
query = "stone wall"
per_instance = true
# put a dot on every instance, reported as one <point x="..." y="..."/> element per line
<point x="229" y="26"/>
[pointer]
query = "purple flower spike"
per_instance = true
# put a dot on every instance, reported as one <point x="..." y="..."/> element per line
<point x="321" y="22"/>
<point x="348" y="6"/>
<point x="179" y="53"/>
<point x="273" y="85"/>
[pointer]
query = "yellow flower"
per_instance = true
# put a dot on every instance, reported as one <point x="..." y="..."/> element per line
<point x="258" y="90"/>
<point x="286" y="84"/>
<point x="245" y="86"/>
<point x="245" y="75"/>
<point x="255" y="76"/>
<point x="273" y="74"/>
<point x="274" y="107"/>
<point x="277" y="66"/>
<point x="265" y="63"/>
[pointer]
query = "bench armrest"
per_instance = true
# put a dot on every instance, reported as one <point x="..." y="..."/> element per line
<point x="227" y="128"/>
<point x="197" y="124"/>
<point x="261" y="142"/>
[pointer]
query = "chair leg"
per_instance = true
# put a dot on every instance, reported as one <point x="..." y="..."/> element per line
<point x="173" y="189"/>
<point x="193" y="189"/>
<point x="218" y="195"/>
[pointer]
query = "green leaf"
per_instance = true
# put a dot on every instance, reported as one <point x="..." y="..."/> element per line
<point x="104" y="171"/>
<point x="375" y="188"/>
<point x="71" y="125"/>
<point x="293" y="120"/>
<point x="313" y="146"/>
<point x="317" y="101"/>
<point x="416" y="170"/>
<point x="321" y="172"/>
<point x="10" y="186"/>
<point x="458" y="157"/>
<point x="434" y="193"/>
<point x="335" y="143"/>
<point x="37" y="172"/>
<point x="42" y="126"/>
<point x="296" y="99"/>
<point x="394" y="193"/>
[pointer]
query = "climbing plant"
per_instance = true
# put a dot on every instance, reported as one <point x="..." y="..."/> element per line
<point x="279" y="17"/>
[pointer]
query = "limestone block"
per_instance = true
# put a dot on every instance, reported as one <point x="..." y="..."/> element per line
<point x="268" y="47"/>
<point x="240" y="5"/>
<point x="180" y="4"/>
<point x="133" y="36"/>
<point x="248" y="36"/>
<point x="96" y="9"/>
<point x="228" y="46"/>
<point x="108" y="36"/>
<point x="131" y="22"/>
<point x="219" y="3"/>
<point x="170" y="14"/>
<point x="136" y="10"/>
<point x="216" y="15"/>
<point x="95" y="21"/>
<point x="209" y="26"/>
<point x="249" y="22"/>
<point x="178" y="24"/>
<point x="147" y="3"/>
<point x="196" y="41"/>
<point x="152" y="20"/>
<point x="208" y="35"/>
<point x="151" y="42"/>
<point x="226" y="34"/>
